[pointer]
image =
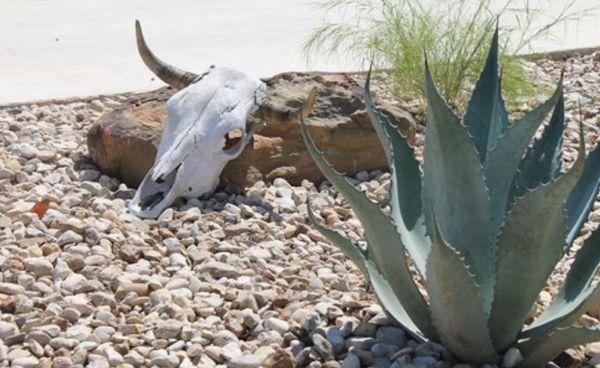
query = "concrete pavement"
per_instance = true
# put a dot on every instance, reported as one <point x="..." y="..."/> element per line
<point x="64" y="48"/>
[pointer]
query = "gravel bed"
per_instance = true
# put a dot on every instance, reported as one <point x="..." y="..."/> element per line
<point x="236" y="280"/>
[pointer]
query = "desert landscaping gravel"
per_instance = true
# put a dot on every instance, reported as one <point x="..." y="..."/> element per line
<point x="234" y="280"/>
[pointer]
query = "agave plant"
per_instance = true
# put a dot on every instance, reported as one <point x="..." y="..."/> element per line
<point x="485" y="222"/>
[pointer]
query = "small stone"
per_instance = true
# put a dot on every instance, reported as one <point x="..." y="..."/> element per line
<point x="71" y="314"/>
<point x="134" y="358"/>
<point x="178" y="260"/>
<point x="335" y="338"/>
<point x="6" y="174"/>
<point x="169" y="329"/>
<point x="39" y="266"/>
<point x="391" y="335"/>
<point x="7" y="329"/>
<point x="219" y="269"/>
<point x="277" y="324"/>
<point x="511" y="358"/>
<point x="351" y="361"/>
<point x="5" y="221"/>
<point x="25" y="362"/>
<point x="62" y="362"/>
<point x="424" y="361"/>
<point x="11" y="289"/>
<point x="361" y="343"/>
<point x="46" y="155"/>
<point x="69" y="237"/>
<point x="164" y="360"/>
<point x="75" y="282"/>
<point x="245" y="361"/>
<point x="592" y="349"/>
<point x="73" y="224"/>
<point x="113" y="357"/>
<point x="165" y="217"/>
<point x="27" y="151"/>
<point x="322" y="346"/>
<point x="279" y="359"/>
<point x="384" y="350"/>
<point x="89" y="175"/>
<point x="224" y="337"/>
<point x="130" y="253"/>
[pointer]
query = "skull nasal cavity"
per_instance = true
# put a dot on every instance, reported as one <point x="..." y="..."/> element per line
<point x="232" y="138"/>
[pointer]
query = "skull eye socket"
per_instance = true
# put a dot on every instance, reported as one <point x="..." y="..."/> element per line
<point x="232" y="138"/>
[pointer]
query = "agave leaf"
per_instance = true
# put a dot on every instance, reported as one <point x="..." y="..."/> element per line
<point x="543" y="161"/>
<point x="388" y="298"/>
<point x="456" y="306"/>
<point x="584" y="194"/>
<point x="351" y="250"/>
<point x="534" y="231"/>
<point x="539" y="351"/>
<point x="577" y="293"/>
<point x="486" y="117"/>
<point x="503" y="160"/>
<point x="358" y="256"/>
<point x="405" y="188"/>
<point x="378" y="119"/>
<point x="385" y="244"/>
<point x="454" y="185"/>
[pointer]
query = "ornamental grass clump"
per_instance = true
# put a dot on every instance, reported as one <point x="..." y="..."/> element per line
<point x="484" y="222"/>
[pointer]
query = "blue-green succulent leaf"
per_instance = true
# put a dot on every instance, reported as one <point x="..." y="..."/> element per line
<point x="543" y="161"/>
<point x="577" y="293"/>
<point x="454" y="186"/>
<point x="534" y="231"/>
<point x="389" y="299"/>
<point x="456" y="306"/>
<point x="385" y="244"/>
<point x="351" y="250"/>
<point x="503" y="160"/>
<point x="486" y="117"/>
<point x="584" y="194"/>
<point x="539" y="351"/>
<point x="359" y="257"/>
<point x="378" y="119"/>
<point x="405" y="189"/>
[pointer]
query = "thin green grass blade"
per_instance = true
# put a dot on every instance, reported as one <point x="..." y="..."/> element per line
<point x="503" y="160"/>
<point x="539" y="351"/>
<point x="529" y="247"/>
<point x="577" y="293"/>
<point x="405" y="189"/>
<point x="583" y="196"/>
<point x="385" y="244"/>
<point x="456" y="305"/>
<point x="454" y="185"/>
<point x="486" y="117"/>
<point x="543" y="161"/>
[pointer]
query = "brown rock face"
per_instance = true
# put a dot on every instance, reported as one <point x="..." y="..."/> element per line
<point x="123" y="142"/>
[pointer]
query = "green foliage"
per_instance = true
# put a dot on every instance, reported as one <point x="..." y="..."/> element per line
<point x="452" y="31"/>
<point x="485" y="224"/>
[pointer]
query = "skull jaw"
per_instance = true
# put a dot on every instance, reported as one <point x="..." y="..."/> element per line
<point x="193" y="179"/>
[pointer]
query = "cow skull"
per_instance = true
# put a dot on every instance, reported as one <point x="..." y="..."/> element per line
<point x="206" y="127"/>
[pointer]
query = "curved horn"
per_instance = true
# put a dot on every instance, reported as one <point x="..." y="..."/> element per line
<point x="169" y="74"/>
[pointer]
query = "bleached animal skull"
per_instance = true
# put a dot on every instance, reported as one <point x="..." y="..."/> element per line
<point x="206" y="127"/>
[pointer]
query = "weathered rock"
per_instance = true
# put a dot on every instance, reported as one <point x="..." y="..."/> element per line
<point x="123" y="142"/>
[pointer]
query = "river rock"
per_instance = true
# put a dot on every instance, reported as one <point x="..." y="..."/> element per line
<point x="123" y="142"/>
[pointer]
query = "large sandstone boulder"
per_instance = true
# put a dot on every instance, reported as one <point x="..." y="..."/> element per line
<point x="123" y="142"/>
